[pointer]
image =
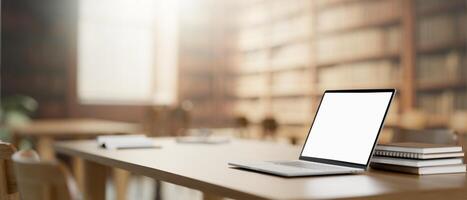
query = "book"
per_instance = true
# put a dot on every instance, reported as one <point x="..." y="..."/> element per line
<point x="416" y="163"/>
<point x="413" y="147"/>
<point x="125" y="142"/>
<point x="418" y="155"/>
<point x="445" y="169"/>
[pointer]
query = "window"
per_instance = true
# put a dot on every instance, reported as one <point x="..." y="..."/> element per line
<point x="127" y="51"/>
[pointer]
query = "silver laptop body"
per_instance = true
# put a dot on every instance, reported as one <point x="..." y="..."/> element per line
<point x="341" y="138"/>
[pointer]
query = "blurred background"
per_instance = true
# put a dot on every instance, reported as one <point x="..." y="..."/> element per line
<point x="252" y="68"/>
<point x="258" y="66"/>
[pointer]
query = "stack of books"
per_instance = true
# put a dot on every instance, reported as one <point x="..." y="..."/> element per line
<point x="419" y="158"/>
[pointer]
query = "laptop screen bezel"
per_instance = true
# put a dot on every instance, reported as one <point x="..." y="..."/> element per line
<point x="343" y="163"/>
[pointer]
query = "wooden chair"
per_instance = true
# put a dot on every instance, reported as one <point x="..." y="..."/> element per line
<point x="8" y="189"/>
<point x="38" y="180"/>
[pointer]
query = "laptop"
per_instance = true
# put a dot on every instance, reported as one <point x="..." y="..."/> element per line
<point x="342" y="136"/>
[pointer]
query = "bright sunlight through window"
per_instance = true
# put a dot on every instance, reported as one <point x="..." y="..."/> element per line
<point x="127" y="51"/>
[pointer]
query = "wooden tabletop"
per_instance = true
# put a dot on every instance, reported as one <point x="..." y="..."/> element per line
<point x="63" y="127"/>
<point x="204" y="167"/>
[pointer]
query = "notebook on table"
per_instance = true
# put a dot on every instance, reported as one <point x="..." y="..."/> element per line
<point x="412" y="147"/>
<point x="422" y="156"/>
<point x="443" y="169"/>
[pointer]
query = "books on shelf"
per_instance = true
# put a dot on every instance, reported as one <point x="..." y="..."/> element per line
<point x="393" y="39"/>
<point x="437" y="30"/>
<point x="383" y="73"/>
<point x="281" y="9"/>
<point x="251" y="61"/>
<point x="442" y="102"/>
<point x="463" y="25"/>
<point x="422" y="6"/>
<point x="349" y="46"/>
<point x="293" y="82"/>
<point x="271" y="60"/>
<point x="280" y="30"/>
<point x="450" y="64"/>
<point x="419" y="158"/>
<point x="251" y="85"/>
<point x="253" y="13"/>
<point x="252" y="39"/>
<point x="293" y="55"/>
<point x="356" y="14"/>
<point x="460" y="100"/>
<point x="292" y="110"/>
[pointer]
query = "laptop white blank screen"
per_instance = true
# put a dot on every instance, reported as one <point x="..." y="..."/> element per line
<point x="346" y="126"/>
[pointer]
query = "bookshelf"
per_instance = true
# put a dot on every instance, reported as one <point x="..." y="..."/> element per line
<point x="441" y="68"/>
<point x="273" y="60"/>
<point x="280" y="57"/>
<point x="351" y="44"/>
<point x="359" y="44"/>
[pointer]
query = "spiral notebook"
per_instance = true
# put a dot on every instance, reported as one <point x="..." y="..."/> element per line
<point x="423" y="148"/>
<point x="399" y="154"/>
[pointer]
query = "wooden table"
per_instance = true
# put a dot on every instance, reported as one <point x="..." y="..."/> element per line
<point x="204" y="167"/>
<point x="45" y="131"/>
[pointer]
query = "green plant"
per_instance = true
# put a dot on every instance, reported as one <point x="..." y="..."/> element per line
<point x="15" y="110"/>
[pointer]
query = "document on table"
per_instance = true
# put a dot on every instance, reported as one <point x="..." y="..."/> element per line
<point x="126" y="142"/>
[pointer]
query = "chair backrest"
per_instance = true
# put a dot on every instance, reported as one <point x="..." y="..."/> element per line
<point x="7" y="177"/>
<point x="43" y="180"/>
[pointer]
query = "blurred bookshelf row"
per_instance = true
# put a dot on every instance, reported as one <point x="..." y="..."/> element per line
<point x="275" y="58"/>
